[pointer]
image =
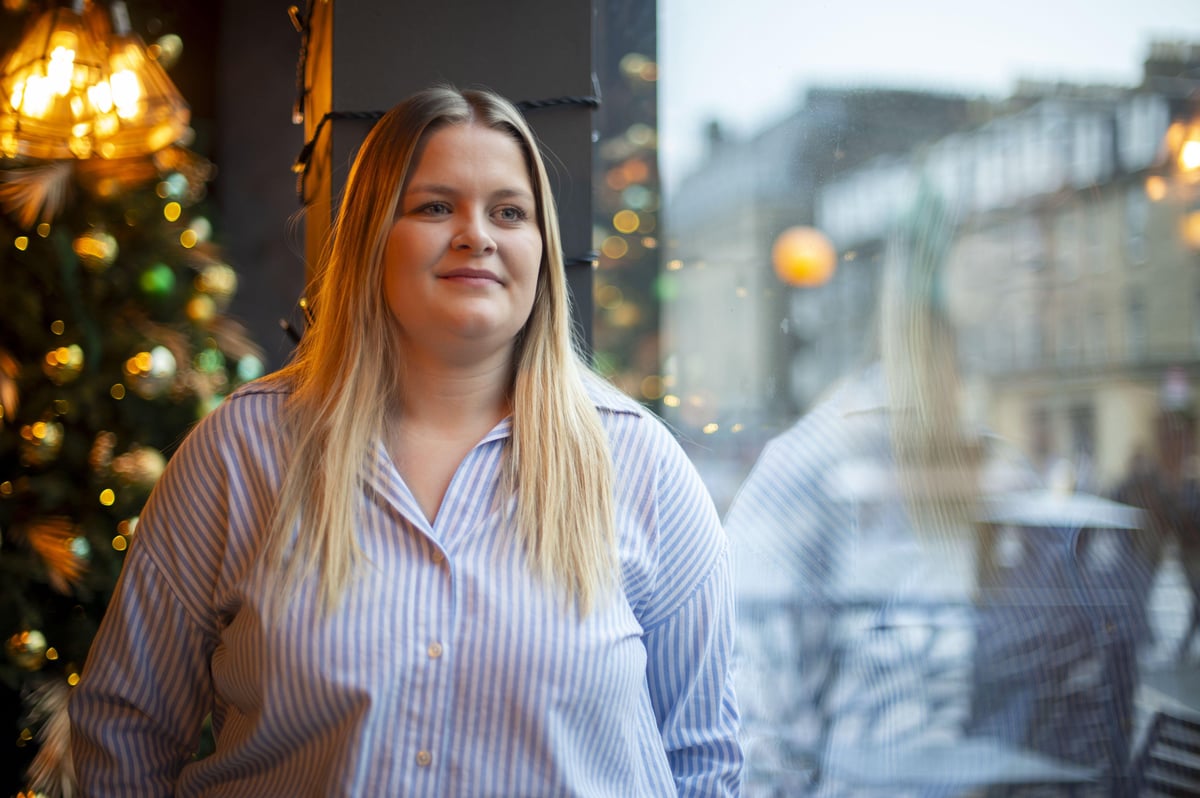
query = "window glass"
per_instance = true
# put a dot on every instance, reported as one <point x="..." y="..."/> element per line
<point x="924" y="308"/>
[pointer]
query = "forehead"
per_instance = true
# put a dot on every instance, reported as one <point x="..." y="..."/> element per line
<point x="470" y="149"/>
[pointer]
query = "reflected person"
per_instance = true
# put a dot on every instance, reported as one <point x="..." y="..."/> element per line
<point x="859" y="539"/>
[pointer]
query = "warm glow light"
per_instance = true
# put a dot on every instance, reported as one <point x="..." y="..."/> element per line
<point x="71" y="89"/>
<point x="614" y="247"/>
<point x="58" y="72"/>
<point x="126" y="91"/>
<point x="671" y="400"/>
<point x="21" y="242"/>
<point x="1156" y="188"/>
<point x="608" y="296"/>
<point x="652" y="386"/>
<point x="1190" y="230"/>
<point x="1189" y="155"/>
<point x="171" y="211"/>
<point x="35" y="99"/>
<point x="100" y="96"/>
<point x="803" y="256"/>
<point x="107" y="497"/>
<point x="711" y="427"/>
<point x="625" y="221"/>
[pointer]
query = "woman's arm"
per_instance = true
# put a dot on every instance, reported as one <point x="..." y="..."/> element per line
<point x="137" y="713"/>
<point x="691" y="688"/>
<point x="688" y="631"/>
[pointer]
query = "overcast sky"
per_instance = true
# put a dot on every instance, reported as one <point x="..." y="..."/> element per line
<point x="747" y="62"/>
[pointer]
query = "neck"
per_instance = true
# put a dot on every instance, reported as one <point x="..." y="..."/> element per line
<point x="446" y="395"/>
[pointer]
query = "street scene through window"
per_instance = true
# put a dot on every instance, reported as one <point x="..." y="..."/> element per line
<point x="918" y="286"/>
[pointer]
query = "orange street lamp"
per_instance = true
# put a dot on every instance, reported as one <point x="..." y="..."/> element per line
<point x="803" y="257"/>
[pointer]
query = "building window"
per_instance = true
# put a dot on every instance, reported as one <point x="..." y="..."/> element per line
<point x="1135" y="334"/>
<point x="1137" y="209"/>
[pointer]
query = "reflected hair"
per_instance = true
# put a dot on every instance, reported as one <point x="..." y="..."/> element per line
<point x="937" y="454"/>
<point x="348" y="370"/>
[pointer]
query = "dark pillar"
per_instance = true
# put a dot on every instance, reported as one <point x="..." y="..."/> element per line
<point x="366" y="56"/>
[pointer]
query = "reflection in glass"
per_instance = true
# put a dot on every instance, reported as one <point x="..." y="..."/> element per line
<point x="960" y="473"/>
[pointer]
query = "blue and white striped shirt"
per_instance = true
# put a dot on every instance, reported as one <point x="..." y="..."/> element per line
<point x="448" y="669"/>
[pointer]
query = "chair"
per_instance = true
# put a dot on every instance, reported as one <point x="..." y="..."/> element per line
<point x="1169" y="761"/>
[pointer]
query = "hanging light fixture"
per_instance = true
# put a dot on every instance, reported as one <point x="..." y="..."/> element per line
<point x="147" y="109"/>
<point x="47" y="88"/>
<point x="72" y="88"/>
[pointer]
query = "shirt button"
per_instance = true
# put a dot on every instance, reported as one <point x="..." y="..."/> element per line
<point x="434" y="650"/>
<point x="437" y="555"/>
<point x="424" y="758"/>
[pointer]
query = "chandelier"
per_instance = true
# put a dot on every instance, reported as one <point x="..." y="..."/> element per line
<point x="75" y="87"/>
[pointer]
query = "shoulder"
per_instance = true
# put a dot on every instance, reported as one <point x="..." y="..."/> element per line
<point x="627" y="421"/>
<point x="670" y="534"/>
<point x="608" y="399"/>
<point x="252" y="407"/>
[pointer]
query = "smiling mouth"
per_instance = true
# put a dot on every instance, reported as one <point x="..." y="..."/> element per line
<point x="471" y="275"/>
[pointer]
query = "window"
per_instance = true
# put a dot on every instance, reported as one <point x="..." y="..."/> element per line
<point x="980" y="183"/>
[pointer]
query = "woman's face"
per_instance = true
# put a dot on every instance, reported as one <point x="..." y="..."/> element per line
<point x="461" y="261"/>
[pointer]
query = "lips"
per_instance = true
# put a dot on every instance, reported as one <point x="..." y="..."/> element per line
<point x="469" y="274"/>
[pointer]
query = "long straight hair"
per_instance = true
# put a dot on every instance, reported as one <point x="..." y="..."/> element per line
<point x="348" y="370"/>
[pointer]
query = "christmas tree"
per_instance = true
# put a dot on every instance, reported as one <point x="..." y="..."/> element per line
<point x="113" y="343"/>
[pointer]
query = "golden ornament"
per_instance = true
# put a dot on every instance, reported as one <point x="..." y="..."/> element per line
<point x="27" y="649"/>
<point x="140" y="467"/>
<point x="219" y="281"/>
<point x="201" y="308"/>
<point x="150" y="374"/>
<point x="64" y="364"/>
<point x="41" y="442"/>
<point x="166" y="50"/>
<point x="96" y="250"/>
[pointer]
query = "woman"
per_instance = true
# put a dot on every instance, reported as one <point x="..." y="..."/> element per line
<point x="431" y="556"/>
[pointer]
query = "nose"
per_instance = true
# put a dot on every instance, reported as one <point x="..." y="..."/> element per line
<point x="473" y="236"/>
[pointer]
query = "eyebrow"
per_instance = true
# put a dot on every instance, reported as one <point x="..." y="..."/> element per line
<point x="444" y="190"/>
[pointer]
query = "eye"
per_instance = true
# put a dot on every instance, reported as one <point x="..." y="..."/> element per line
<point x="511" y="213"/>
<point x="436" y="208"/>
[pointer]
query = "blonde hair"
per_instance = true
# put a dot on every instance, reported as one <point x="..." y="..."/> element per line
<point x="345" y="374"/>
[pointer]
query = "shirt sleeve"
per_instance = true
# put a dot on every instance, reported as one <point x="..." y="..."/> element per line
<point x="689" y="640"/>
<point x="137" y="713"/>
<point x="691" y="688"/>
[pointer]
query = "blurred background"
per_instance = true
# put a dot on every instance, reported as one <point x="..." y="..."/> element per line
<point x="805" y="216"/>
<point x="1021" y="180"/>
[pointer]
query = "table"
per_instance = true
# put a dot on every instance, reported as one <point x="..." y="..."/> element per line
<point x="972" y="762"/>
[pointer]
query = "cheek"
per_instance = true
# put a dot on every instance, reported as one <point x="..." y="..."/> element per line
<point x="393" y="281"/>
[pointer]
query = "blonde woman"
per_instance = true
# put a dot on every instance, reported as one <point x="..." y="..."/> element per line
<point x="432" y="556"/>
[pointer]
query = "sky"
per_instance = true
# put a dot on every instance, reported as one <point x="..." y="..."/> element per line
<point x="747" y="63"/>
